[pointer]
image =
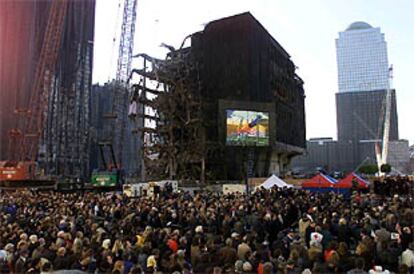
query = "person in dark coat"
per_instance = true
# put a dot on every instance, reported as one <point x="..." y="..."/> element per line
<point x="344" y="233"/>
<point x="228" y="254"/>
<point x="22" y="263"/>
<point x="60" y="261"/>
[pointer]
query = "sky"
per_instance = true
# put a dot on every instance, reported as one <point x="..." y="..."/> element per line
<point x="306" y="29"/>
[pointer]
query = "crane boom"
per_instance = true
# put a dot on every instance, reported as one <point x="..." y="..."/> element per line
<point x="120" y="100"/>
<point x="126" y="42"/>
<point x="387" y="120"/>
<point x="45" y="71"/>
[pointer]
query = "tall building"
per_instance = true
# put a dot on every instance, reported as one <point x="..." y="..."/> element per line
<point x="65" y="149"/>
<point x="363" y="80"/>
<point x="361" y="53"/>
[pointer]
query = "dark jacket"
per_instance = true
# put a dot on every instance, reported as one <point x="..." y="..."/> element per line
<point x="228" y="255"/>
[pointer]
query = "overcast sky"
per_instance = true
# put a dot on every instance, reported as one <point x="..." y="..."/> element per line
<point x="307" y="29"/>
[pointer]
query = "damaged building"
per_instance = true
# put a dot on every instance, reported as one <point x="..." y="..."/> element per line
<point x="233" y="66"/>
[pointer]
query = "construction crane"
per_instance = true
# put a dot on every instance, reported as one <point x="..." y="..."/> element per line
<point x="22" y="169"/>
<point x="387" y="121"/>
<point x="112" y="173"/>
<point x="382" y="156"/>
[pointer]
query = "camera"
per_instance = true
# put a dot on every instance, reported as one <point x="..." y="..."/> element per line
<point x="395" y="236"/>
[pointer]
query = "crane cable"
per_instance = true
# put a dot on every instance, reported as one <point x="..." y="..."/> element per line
<point x="114" y="38"/>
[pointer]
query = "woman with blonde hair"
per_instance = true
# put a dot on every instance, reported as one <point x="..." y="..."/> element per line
<point x="118" y="249"/>
<point x="118" y="267"/>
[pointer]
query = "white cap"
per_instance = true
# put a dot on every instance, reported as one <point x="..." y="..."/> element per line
<point x="199" y="229"/>
<point x="235" y="235"/>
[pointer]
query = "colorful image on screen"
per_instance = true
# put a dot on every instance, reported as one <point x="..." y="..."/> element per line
<point x="247" y="128"/>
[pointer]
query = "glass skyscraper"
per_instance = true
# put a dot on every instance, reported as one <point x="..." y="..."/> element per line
<point x="362" y="59"/>
<point x="361" y="53"/>
<point x="360" y="107"/>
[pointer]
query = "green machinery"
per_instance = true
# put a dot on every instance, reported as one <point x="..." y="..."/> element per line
<point x="111" y="176"/>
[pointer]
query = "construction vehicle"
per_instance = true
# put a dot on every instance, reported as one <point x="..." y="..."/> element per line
<point x="112" y="174"/>
<point x="22" y="170"/>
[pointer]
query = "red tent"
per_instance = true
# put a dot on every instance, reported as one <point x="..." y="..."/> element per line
<point x="347" y="182"/>
<point x="319" y="181"/>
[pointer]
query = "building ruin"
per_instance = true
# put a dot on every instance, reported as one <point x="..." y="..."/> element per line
<point x="234" y="63"/>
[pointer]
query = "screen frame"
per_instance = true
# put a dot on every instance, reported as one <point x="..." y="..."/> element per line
<point x="225" y="105"/>
<point x="256" y="141"/>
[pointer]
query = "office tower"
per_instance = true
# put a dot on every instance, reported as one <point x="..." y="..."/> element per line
<point x="363" y="79"/>
<point x="362" y="60"/>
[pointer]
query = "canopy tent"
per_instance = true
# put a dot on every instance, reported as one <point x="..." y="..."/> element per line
<point x="331" y="179"/>
<point x="274" y="181"/>
<point x="320" y="181"/>
<point x="350" y="179"/>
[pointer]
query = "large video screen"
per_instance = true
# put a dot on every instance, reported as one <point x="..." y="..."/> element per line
<point x="247" y="128"/>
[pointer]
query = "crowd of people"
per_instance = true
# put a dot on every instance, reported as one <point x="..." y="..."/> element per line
<point x="394" y="185"/>
<point x="269" y="231"/>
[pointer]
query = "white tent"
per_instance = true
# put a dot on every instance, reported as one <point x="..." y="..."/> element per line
<point x="274" y="181"/>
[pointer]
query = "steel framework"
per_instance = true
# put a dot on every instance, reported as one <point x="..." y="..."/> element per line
<point x="66" y="143"/>
<point x="175" y="146"/>
<point x="41" y="89"/>
<point x="54" y="130"/>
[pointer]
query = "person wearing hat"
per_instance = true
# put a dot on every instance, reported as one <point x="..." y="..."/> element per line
<point x="234" y="235"/>
<point x="199" y="229"/>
